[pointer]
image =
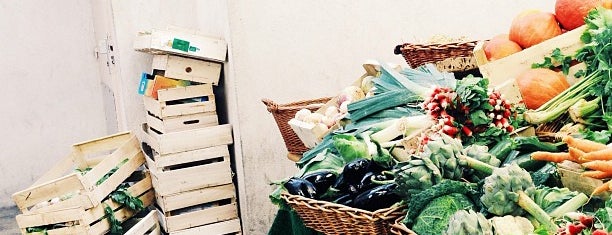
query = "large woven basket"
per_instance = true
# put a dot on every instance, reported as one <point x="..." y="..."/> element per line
<point x="331" y="218"/>
<point x="398" y="228"/>
<point x="451" y="57"/>
<point x="282" y="113"/>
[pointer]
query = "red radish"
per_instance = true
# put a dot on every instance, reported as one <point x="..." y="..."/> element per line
<point x="466" y="130"/>
<point x="450" y="130"/>
<point x="509" y="128"/>
<point x="586" y="220"/>
<point x="575" y="229"/>
<point x="599" y="232"/>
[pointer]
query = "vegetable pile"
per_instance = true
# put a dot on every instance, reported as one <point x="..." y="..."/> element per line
<point x="448" y="148"/>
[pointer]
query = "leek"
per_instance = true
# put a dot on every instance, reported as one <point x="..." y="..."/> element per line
<point x="405" y="126"/>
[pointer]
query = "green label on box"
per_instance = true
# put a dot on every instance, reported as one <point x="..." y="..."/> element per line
<point x="180" y="44"/>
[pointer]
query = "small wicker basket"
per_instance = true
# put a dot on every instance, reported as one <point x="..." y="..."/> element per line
<point x="282" y="113"/>
<point x="331" y="218"/>
<point x="398" y="228"/>
<point x="450" y="57"/>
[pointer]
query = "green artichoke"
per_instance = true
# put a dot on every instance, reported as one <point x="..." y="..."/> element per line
<point x="416" y="175"/>
<point x="444" y="153"/>
<point x="468" y="222"/>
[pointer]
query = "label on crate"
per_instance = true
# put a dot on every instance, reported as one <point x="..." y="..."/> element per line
<point x="146" y="83"/>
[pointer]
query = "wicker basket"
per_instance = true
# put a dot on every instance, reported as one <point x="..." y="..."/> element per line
<point x="284" y="112"/>
<point x="449" y="57"/>
<point x="398" y="228"/>
<point x="331" y="218"/>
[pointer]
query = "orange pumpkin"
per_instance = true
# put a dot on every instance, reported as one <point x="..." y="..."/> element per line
<point x="537" y="86"/>
<point x="532" y="27"/>
<point x="499" y="47"/>
<point x="607" y="4"/>
<point x="571" y="13"/>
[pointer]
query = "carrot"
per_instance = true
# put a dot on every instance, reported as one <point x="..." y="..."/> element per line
<point x="550" y="157"/>
<point x="604" y="154"/>
<point x="582" y="144"/>
<point x="576" y="155"/>
<point x="607" y="186"/>
<point x="597" y="174"/>
<point x="599" y="165"/>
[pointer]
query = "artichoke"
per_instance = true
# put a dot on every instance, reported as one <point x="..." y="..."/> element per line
<point x="508" y="191"/>
<point x="416" y="175"/>
<point x="468" y="222"/>
<point x="444" y="153"/>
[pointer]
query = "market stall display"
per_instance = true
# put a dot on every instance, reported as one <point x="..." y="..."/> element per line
<point x="457" y="152"/>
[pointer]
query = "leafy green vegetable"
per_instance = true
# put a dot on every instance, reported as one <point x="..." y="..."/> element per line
<point x="550" y="198"/>
<point x="325" y="160"/>
<point x="418" y="201"/>
<point x="555" y="58"/>
<point x="434" y="218"/>
<point x="115" y="224"/>
<point x="602" y="136"/>
<point x="383" y="158"/>
<point x="122" y="196"/>
<point x="38" y="229"/>
<point x="350" y="148"/>
<point x="604" y="216"/>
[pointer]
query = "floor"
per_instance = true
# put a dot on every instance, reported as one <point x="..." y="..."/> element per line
<point x="8" y="224"/>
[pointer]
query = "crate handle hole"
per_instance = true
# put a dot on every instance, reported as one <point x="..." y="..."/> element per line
<point x="191" y="122"/>
<point x="188" y="69"/>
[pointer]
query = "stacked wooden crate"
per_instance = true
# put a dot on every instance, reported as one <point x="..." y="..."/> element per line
<point x="73" y="197"/>
<point x="187" y="149"/>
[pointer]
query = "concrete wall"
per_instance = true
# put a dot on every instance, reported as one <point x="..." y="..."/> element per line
<point x="51" y="91"/>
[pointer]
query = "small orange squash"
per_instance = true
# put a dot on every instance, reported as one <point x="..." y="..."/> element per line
<point x="532" y="27"/>
<point x="499" y="47"/>
<point x="571" y="13"/>
<point x="537" y="86"/>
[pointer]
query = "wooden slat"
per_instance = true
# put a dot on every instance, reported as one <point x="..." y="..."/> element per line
<point x="189" y="108"/>
<point x="167" y="160"/>
<point x="79" y="200"/>
<point x="128" y="150"/>
<point x="102" y="144"/>
<point x="43" y="192"/>
<point x="225" y="227"/>
<point x="201" y="217"/>
<point x="179" y="93"/>
<point x="113" y="181"/>
<point x="183" y="122"/>
<point x="40" y="219"/>
<point x="191" y="178"/>
<point x="187" y="69"/>
<point x="122" y="215"/>
<point x="187" y="140"/>
<point x="157" y="41"/>
<point x="146" y="224"/>
<point x="195" y="197"/>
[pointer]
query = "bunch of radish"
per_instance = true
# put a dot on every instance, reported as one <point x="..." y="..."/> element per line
<point x="580" y="223"/>
<point x="501" y="111"/>
<point x="438" y="105"/>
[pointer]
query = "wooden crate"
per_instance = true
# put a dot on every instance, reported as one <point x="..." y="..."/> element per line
<point x="183" y="68"/>
<point x="576" y="182"/>
<point x="181" y="101"/>
<point x="148" y="225"/>
<point x="159" y="41"/>
<point x="197" y="207"/>
<point x="90" y="220"/>
<point x="183" y="122"/>
<point x="190" y="170"/>
<point x="187" y="140"/>
<point x="501" y="73"/>
<point x="231" y="227"/>
<point x="102" y="156"/>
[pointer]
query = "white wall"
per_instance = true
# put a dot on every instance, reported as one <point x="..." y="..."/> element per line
<point x="278" y="49"/>
<point x="51" y="92"/>
<point x="294" y="50"/>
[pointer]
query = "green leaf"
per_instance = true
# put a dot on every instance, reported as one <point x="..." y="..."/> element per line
<point x="479" y="118"/>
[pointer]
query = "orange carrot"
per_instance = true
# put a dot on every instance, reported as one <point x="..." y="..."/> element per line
<point x="576" y="155"/>
<point x="550" y="157"/>
<point x="607" y="186"/>
<point x="604" y="154"/>
<point x="599" y="165"/>
<point x="597" y="174"/>
<point x="582" y="144"/>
